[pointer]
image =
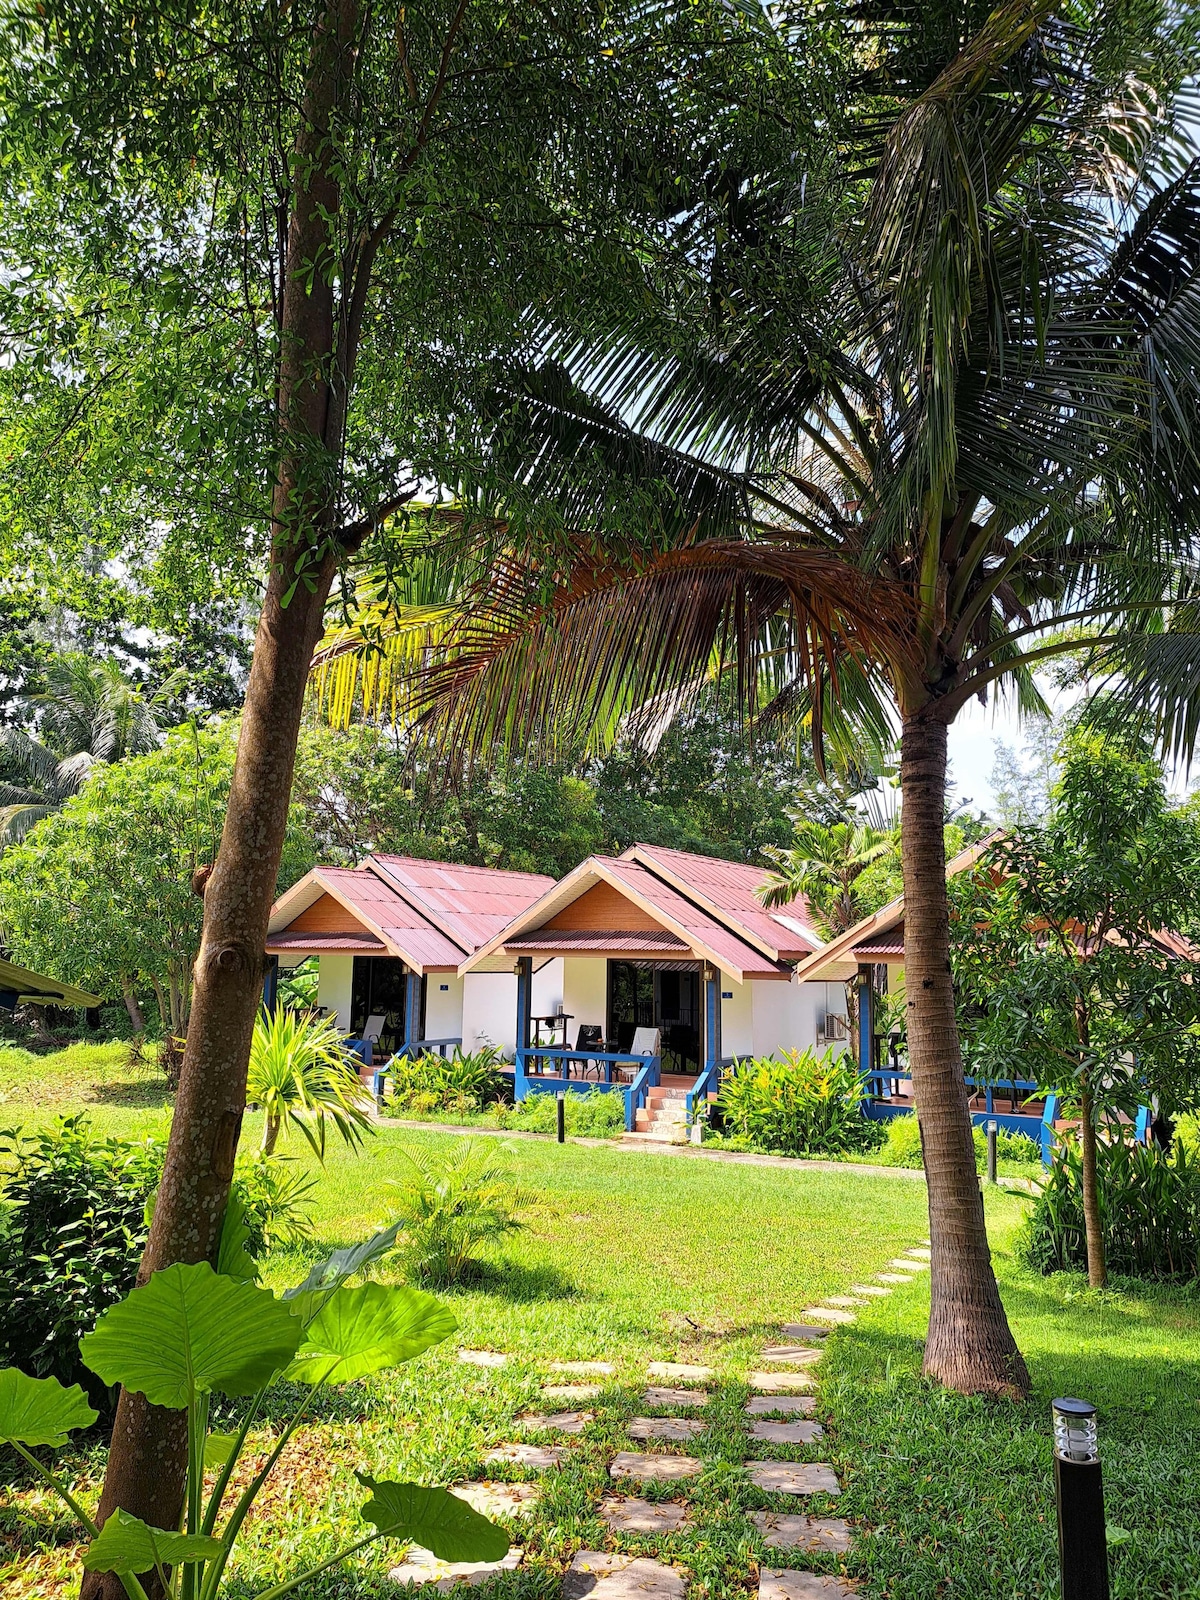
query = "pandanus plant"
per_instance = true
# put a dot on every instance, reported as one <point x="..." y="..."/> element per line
<point x="190" y="1333"/>
<point x="301" y="1076"/>
<point x="896" y="426"/>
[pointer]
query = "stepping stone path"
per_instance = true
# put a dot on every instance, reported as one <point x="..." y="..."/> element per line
<point x="830" y="1314"/>
<point x="643" y="1516"/>
<point x="423" y="1567"/>
<point x="788" y="1405"/>
<point x="499" y="1499"/>
<point x="781" y="1382"/>
<point x="599" y="1575"/>
<point x="557" y="1421"/>
<point x="782" y="1531"/>
<point x="787" y="1432"/>
<point x="844" y="1300"/>
<point x="921" y="1251"/>
<point x="894" y="1277"/>
<point x="684" y="1399"/>
<point x="904" y="1265"/>
<point x="867" y="1288"/>
<point x="797" y="1355"/>
<point x="774" y="1585"/>
<point x="803" y="1331"/>
<point x="680" y="1370"/>
<point x="570" y="1391"/>
<point x="537" y="1457"/>
<point x="483" y="1358"/>
<point x="793" y="1477"/>
<point x="584" y="1369"/>
<point x="664" y="1428"/>
<point x="658" y="1468"/>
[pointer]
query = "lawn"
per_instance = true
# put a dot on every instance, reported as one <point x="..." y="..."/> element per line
<point x="635" y="1256"/>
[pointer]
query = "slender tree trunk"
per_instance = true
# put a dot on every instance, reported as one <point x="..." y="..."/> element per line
<point x="270" y="1136"/>
<point x="147" y="1459"/>
<point x="161" y="1000"/>
<point x="1097" y="1266"/>
<point x="129" y="995"/>
<point x="852" y="1020"/>
<point x="970" y="1346"/>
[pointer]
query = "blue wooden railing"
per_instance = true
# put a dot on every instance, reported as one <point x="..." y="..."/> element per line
<point x="707" y="1083"/>
<point x="647" y="1077"/>
<point x="414" y="1048"/>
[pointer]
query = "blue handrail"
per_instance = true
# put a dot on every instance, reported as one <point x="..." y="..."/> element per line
<point x="648" y="1077"/>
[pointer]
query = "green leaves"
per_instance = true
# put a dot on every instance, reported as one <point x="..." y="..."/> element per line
<point x="36" y="1411"/>
<point x="433" y="1518"/>
<point x="128" y="1545"/>
<point x="189" y="1331"/>
<point x="342" y="1264"/>
<point x="359" y="1331"/>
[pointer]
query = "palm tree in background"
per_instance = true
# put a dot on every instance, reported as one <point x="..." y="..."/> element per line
<point x="86" y="712"/>
<point x="908" y="428"/>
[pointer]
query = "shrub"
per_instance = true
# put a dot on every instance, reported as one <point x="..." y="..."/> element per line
<point x="453" y="1205"/>
<point x="275" y="1201"/>
<point x="300" y="1075"/>
<point x="73" y="1235"/>
<point x="902" y="1143"/>
<point x="803" y="1105"/>
<point x="599" y="1114"/>
<point x="902" y="1146"/>
<point x="1149" y="1211"/>
<point x="457" y="1082"/>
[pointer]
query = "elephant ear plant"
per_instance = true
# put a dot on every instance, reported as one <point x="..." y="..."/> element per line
<point x="190" y="1333"/>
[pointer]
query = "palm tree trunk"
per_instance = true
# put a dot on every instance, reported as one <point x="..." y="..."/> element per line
<point x="147" y="1458"/>
<point x="1093" y="1227"/>
<point x="270" y="1136"/>
<point x="970" y="1346"/>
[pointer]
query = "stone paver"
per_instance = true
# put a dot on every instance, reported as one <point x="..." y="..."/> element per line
<point x="483" y="1358"/>
<point x="782" y="1530"/>
<point x="789" y="1405"/>
<point x="868" y="1288"/>
<point x="894" y="1277"/>
<point x="796" y="1355"/>
<point x="680" y="1371"/>
<point x="830" y="1314"/>
<point x="921" y="1251"/>
<point x="773" y="1585"/>
<point x="643" y="1516"/>
<point x="422" y="1567"/>
<point x="537" y="1457"/>
<point x="570" y="1391"/>
<point x="685" y="1399"/>
<point x="601" y="1575"/>
<point x="787" y="1432"/>
<point x="665" y="1469"/>
<point x="793" y="1477"/>
<point x="903" y="1264"/>
<point x="845" y="1300"/>
<point x="584" y="1369"/>
<point x="803" y="1331"/>
<point x="665" y="1428"/>
<point x="499" y="1499"/>
<point x="781" y="1382"/>
<point x="558" y="1421"/>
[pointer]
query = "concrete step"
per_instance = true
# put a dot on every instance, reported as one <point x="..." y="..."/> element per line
<point x="650" y="1119"/>
<point x="660" y="1096"/>
<point x="677" y="1134"/>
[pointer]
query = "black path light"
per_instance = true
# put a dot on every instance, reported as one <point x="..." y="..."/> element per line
<point x="1082" y="1547"/>
<point x="562" y="1116"/>
<point x="992" y="1130"/>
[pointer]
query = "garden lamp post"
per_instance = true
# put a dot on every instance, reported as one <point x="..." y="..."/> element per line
<point x="992" y="1129"/>
<point x="1082" y="1547"/>
<point x="561" y="1098"/>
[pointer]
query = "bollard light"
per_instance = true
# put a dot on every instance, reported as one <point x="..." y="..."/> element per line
<point x="1079" y="1490"/>
<point x="992" y="1129"/>
<point x="562" y="1116"/>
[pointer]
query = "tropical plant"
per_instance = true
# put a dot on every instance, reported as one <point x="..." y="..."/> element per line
<point x="461" y="1081"/>
<point x="190" y="1334"/>
<point x="1148" y="1203"/>
<point x="921" y="416"/>
<point x="452" y="1206"/>
<point x="301" y="1077"/>
<point x="599" y="1114"/>
<point x="800" y="1104"/>
<point x="1067" y="964"/>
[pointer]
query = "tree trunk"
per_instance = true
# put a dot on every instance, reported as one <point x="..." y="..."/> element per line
<point x="1093" y="1228"/>
<point x="969" y="1346"/>
<point x="270" y="1136"/>
<point x="852" y="1020"/>
<point x="129" y="995"/>
<point x="147" y="1459"/>
<point x="161" y="999"/>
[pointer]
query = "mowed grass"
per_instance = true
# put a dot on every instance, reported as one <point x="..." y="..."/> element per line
<point x="120" y="1094"/>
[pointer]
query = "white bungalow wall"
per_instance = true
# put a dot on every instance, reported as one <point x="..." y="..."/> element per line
<point x="783" y="1016"/>
<point x="335" y="975"/>
<point x="584" y="993"/>
<point x="444" y="1006"/>
<point x="489" y="1005"/>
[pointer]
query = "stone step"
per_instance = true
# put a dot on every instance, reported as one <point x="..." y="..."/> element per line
<point x="536" y="1457"/>
<point x="658" y="1095"/>
<point x="803" y="1331"/>
<point x="655" y="1136"/>
<point x="674" y="1428"/>
<point x="423" y="1567"/>
<point x="602" y="1575"/>
<point x="654" y="1468"/>
<point x="786" y="1432"/>
<point x="793" y="1477"/>
<point x="781" y="1405"/>
<point x="643" y="1516"/>
<point x="483" y="1358"/>
<point x="773" y="1585"/>
<point x="555" y="1421"/>
<point x="572" y="1392"/>
<point x="682" y="1371"/>
<point x="781" y="1382"/>
<point x="600" y="1369"/>
<point x="830" y="1314"/>
<point x="499" y="1499"/>
<point x="782" y="1530"/>
<point x="657" y="1397"/>
<point x="793" y="1355"/>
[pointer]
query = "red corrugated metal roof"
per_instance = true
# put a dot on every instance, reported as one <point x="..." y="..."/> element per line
<point x="648" y="941"/>
<point x="728" y="889"/>
<point x="359" y="943"/>
<point x="470" y="904"/>
<point x="697" y="925"/>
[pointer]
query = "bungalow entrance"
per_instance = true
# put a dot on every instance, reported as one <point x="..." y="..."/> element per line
<point x="657" y="994"/>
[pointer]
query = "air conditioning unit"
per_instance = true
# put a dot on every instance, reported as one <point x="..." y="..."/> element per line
<point x="831" y="1026"/>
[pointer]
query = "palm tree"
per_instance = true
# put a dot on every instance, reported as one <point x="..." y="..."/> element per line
<point x="86" y="712"/>
<point x="881" y="465"/>
<point x="300" y="1076"/>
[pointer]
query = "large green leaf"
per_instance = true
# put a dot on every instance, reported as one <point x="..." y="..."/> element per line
<point x="37" y="1411"/>
<point x="435" y="1519"/>
<point x="189" y="1331"/>
<point x="364" y="1330"/>
<point x="342" y="1264"/>
<point x="233" y="1256"/>
<point x="126" y="1544"/>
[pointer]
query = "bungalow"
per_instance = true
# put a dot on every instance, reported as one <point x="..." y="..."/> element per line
<point x="389" y="937"/>
<point x="669" y="967"/>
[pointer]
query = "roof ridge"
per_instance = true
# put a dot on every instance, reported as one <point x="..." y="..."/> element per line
<point x="706" y="904"/>
<point x="421" y="911"/>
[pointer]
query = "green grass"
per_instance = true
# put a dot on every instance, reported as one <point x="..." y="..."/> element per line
<point x="637" y="1256"/>
<point x="120" y="1095"/>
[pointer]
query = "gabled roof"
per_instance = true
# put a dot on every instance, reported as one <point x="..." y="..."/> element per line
<point x="33" y="988"/>
<point x="706" y="935"/>
<point x="728" y="891"/>
<point x="430" y="914"/>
